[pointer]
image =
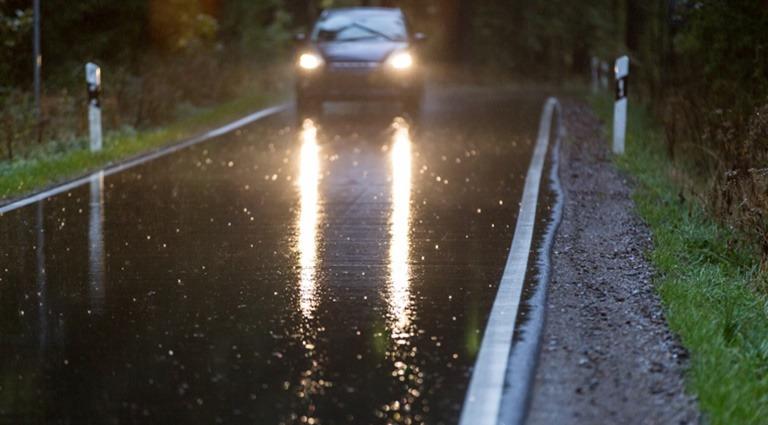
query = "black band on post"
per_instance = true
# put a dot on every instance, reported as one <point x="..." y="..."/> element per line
<point x="622" y="88"/>
<point x="94" y="93"/>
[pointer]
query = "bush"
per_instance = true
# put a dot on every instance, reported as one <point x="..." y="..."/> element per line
<point x="16" y="121"/>
<point x="716" y="112"/>
<point x="740" y="195"/>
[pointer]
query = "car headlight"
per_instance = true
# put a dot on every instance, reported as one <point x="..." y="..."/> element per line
<point x="310" y="61"/>
<point x="401" y="61"/>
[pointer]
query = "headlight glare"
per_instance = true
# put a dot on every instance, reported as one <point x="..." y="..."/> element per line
<point x="310" y="61"/>
<point x="401" y="61"/>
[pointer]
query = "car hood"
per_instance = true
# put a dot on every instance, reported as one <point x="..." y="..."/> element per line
<point x="358" y="51"/>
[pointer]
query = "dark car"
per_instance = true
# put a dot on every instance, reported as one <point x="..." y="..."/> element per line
<point x="361" y="53"/>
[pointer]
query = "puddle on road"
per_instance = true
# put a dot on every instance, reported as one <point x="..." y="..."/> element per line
<point x="328" y="274"/>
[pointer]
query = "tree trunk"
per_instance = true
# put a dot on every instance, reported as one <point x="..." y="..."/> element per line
<point x="456" y="27"/>
<point x="634" y="25"/>
<point x="8" y="121"/>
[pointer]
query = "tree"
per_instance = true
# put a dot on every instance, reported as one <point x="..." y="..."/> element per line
<point x="15" y="55"/>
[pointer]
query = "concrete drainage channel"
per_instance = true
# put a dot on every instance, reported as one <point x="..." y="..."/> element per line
<point x="499" y="389"/>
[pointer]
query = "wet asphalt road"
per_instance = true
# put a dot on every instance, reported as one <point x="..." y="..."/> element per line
<point x="341" y="272"/>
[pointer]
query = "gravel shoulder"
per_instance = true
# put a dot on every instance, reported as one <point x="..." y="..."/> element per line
<point x="607" y="355"/>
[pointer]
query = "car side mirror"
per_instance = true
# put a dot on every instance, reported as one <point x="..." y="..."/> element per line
<point x="419" y="37"/>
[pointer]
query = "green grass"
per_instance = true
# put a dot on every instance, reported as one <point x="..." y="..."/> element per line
<point x="52" y="165"/>
<point x="707" y="286"/>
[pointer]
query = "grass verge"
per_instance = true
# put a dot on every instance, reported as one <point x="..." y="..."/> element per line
<point x="50" y="166"/>
<point x="707" y="283"/>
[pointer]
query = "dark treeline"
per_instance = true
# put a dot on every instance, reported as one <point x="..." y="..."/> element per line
<point x="535" y="39"/>
<point x="159" y="59"/>
<point x="701" y="64"/>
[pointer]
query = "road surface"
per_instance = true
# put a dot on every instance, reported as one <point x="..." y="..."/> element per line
<point x="339" y="271"/>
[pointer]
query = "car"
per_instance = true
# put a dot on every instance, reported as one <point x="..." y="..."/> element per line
<point x="359" y="53"/>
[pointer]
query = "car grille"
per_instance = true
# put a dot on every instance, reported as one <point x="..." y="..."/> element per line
<point x="353" y="66"/>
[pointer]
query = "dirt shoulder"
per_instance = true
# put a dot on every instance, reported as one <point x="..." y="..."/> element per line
<point x="607" y="356"/>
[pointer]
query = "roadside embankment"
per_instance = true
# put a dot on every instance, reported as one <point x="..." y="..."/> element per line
<point x="54" y="163"/>
<point x="709" y="277"/>
<point x="650" y="298"/>
<point x="607" y="353"/>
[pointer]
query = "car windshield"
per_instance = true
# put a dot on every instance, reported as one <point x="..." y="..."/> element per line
<point x="354" y="27"/>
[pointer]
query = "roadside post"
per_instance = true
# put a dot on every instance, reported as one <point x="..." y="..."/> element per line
<point x="620" y="108"/>
<point x="93" y="78"/>
<point x="38" y="68"/>
<point x="603" y="72"/>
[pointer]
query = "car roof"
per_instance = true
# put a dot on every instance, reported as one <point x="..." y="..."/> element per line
<point x="362" y="11"/>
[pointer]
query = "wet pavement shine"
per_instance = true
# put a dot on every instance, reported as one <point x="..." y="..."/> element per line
<point x="335" y="272"/>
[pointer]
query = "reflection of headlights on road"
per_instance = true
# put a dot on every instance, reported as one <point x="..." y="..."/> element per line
<point x="401" y="61"/>
<point x="310" y="61"/>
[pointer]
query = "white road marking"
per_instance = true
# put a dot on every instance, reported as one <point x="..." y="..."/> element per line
<point x="145" y="158"/>
<point x="483" y="399"/>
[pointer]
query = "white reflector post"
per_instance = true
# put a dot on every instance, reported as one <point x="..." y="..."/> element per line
<point x="93" y="78"/>
<point x="620" y="109"/>
<point x="605" y="71"/>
